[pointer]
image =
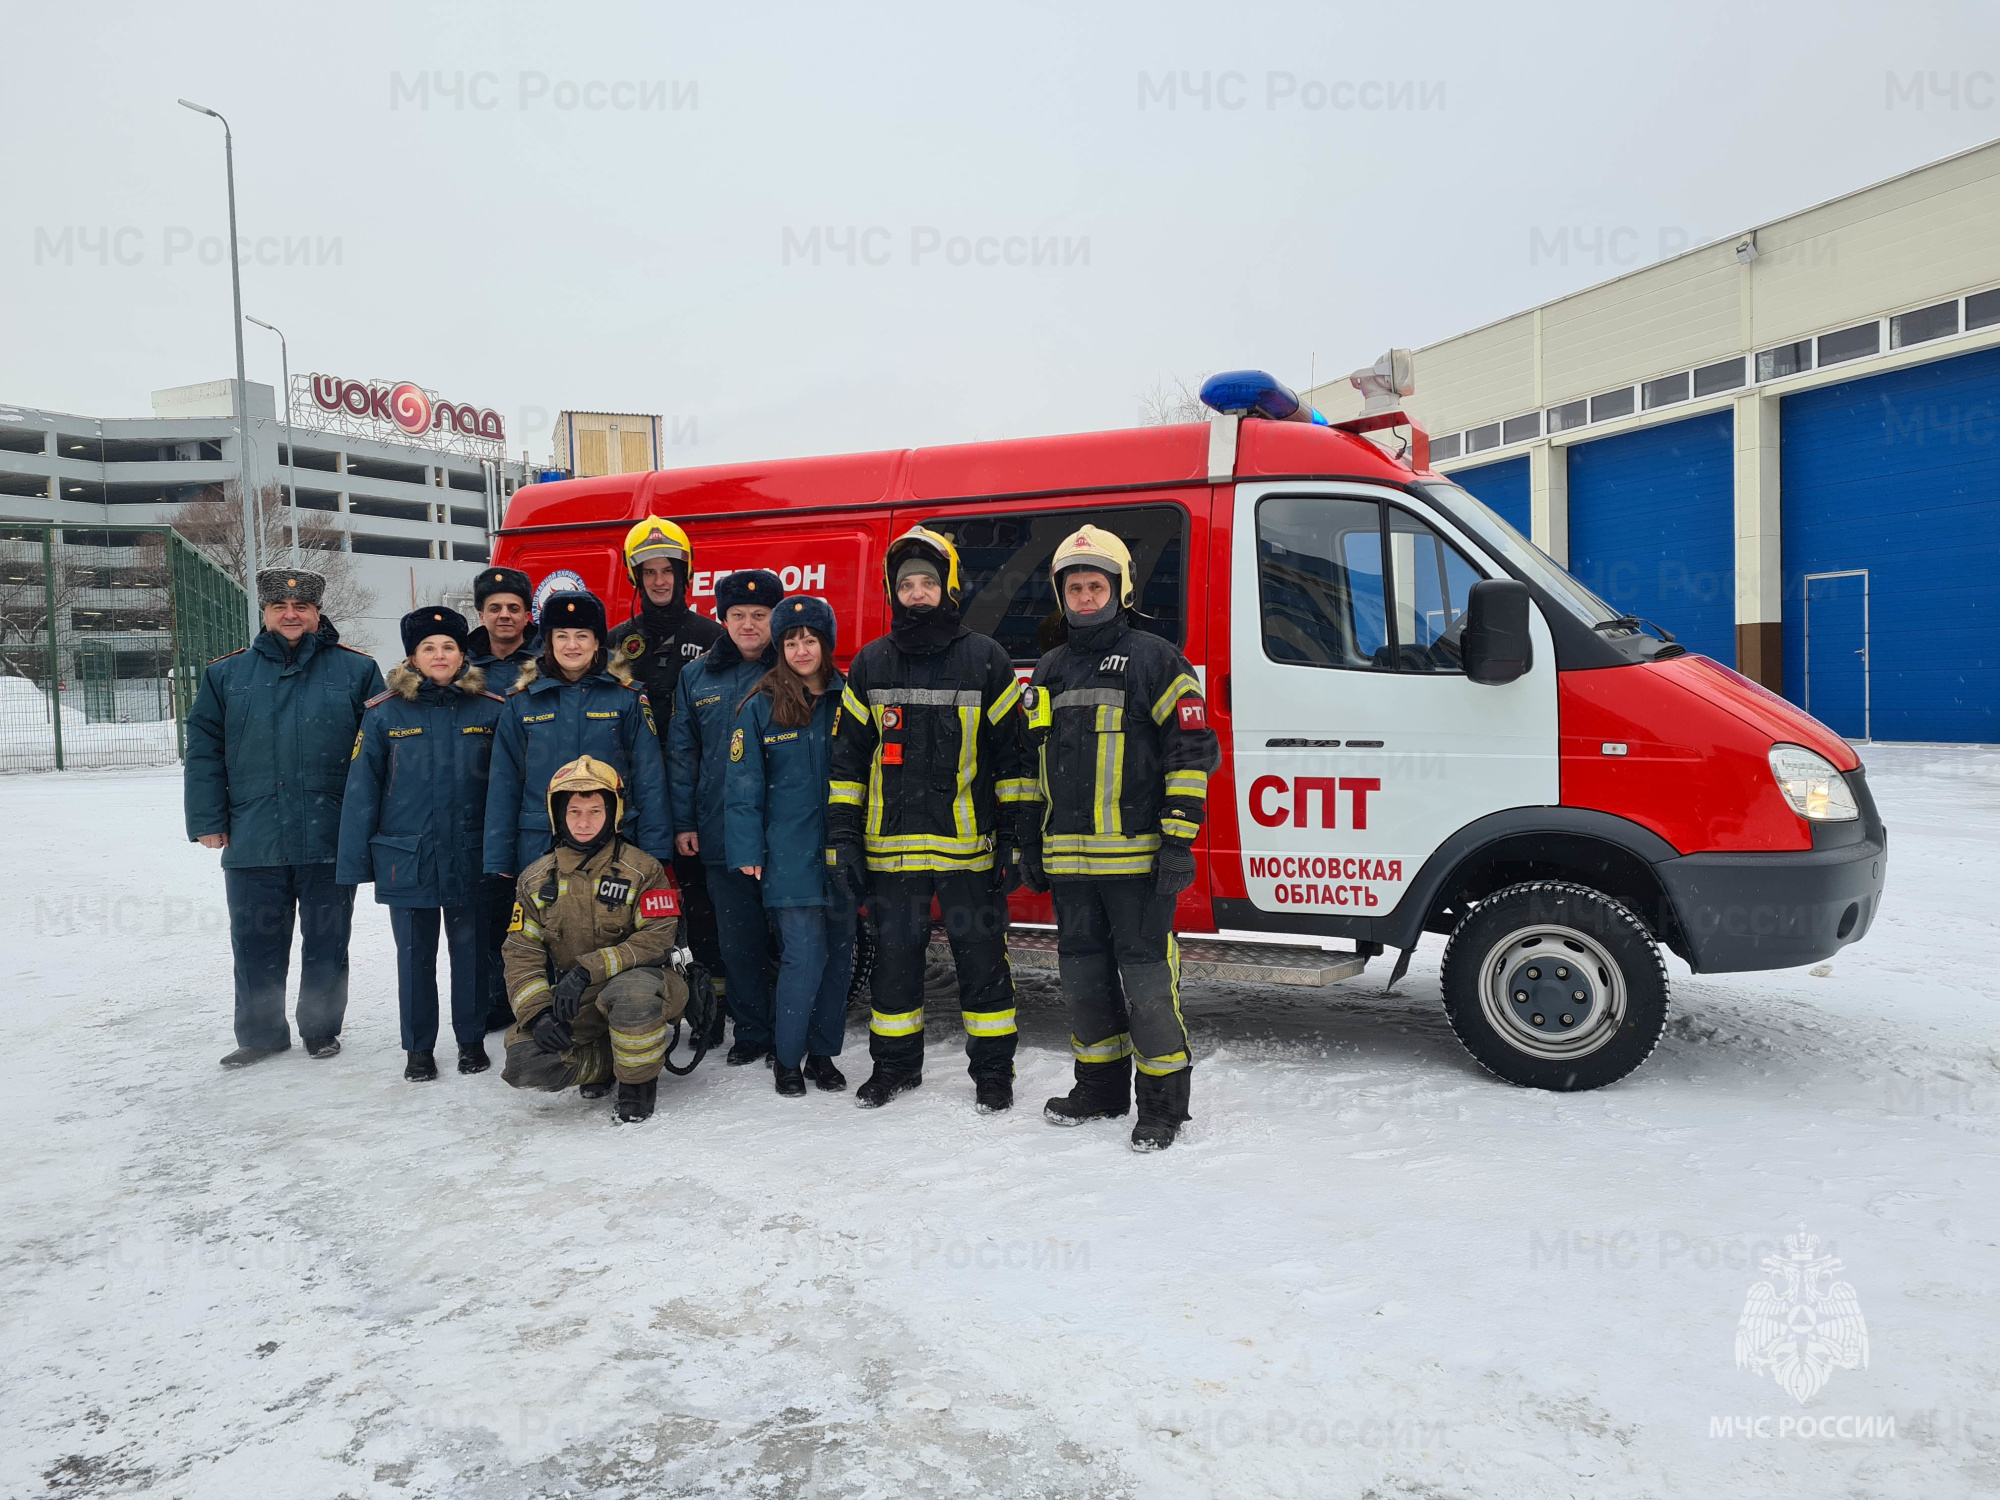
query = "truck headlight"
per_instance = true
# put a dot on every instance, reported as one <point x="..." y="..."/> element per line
<point x="1811" y="784"/>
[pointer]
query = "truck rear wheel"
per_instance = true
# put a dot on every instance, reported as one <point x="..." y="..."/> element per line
<point x="1555" y="986"/>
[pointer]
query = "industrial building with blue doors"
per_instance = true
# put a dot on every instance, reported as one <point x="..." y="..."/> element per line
<point x="1782" y="447"/>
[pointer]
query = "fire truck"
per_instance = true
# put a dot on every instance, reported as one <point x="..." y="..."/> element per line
<point x="1426" y="724"/>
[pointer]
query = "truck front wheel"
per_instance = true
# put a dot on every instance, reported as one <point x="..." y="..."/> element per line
<point x="1555" y="986"/>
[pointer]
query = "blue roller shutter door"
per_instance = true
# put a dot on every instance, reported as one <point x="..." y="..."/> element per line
<point x="1898" y="477"/>
<point x="1652" y="528"/>
<point x="1504" y="488"/>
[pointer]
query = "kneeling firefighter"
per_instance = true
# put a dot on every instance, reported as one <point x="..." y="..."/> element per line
<point x="594" y="928"/>
<point x="928" y="770"/>
<point x="1119" y="727"/>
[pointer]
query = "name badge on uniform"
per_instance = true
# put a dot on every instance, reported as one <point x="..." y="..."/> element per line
<point x="613" y="892"/>
<point x="661" y="901"/>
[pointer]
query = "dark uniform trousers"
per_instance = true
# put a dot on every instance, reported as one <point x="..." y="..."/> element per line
<point x="1121" y="972"/>
<point x="416" y="931"/>
<point x="493" y="907"/>
<point x="264" y="901"/>
<point x="745" y="940"/>
<point x="975" y="924"/>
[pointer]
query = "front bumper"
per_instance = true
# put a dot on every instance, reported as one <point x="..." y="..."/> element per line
<point x="1779" y="911"/>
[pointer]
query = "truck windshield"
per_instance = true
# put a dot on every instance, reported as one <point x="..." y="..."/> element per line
<point x="1534" y="564"/>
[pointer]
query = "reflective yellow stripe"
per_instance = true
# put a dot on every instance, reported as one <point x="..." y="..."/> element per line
<point x="1005" y="702"/>
<point x="1017" y="789"/>
<point x="853" y="704"/>
<point x="1096" y="865"/>
<point x="1107" y="816"/>
<point x="872" y="825"/>
<point x="1173" y="1062"/>
<point x="1179" y="828"/>
<point x="1182" y="686"/>
<point x="1111" y="1049"/>
<point x="529" y="930"/>
<point x="912" y="864"/>
<point x="529" y="990"/>
<point x="1093" y="843"/>
<point x="1187" y="784"/>
<point x="613" y="964"/>
<point x="962" y="815"/>
<point x="849" y="792"/>
<point x="988" y="1022"/>
<point x="908" y="1023"/>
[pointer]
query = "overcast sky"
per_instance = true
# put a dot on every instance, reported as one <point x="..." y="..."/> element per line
<point x="1311" y="190"/>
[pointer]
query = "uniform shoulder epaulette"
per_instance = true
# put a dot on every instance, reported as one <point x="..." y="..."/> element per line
<point x="494" y="696"/>
<point x="345" y="647"/>
<point x="227" y="654"/>
<point x="382" y="697"/>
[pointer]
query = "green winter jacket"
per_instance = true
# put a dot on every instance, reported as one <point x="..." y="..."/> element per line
<point x="268" y="742"/>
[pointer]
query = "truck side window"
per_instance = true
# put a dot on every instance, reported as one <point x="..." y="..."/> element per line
<point x="1319" y="577"/>
<point x="1006" y="589"/>
<point x="1430" y="582"/>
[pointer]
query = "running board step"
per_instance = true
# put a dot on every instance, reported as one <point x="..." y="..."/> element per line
<point x="1201" y="958"/>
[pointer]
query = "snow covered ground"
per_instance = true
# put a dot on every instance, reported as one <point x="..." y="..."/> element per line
<point x="1368" y="1269"/>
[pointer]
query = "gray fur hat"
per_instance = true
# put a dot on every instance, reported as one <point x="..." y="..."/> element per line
<point x="274" y="585"/>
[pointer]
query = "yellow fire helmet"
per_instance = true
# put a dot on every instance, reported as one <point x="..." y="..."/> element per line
<point x="922" y="539"/>
<point x="585" y="774"/>
<point x="653" y="538"/>
<point x="1093" y="547"/>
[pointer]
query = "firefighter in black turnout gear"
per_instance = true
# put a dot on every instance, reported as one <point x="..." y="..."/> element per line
<point x="663" y="635"/>
<point x="929" y="771"/>
<point x="1119" y="729"/>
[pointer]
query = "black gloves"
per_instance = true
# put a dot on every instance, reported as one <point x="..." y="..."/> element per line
<point x="1173" y="870"/>
<point x="700" y="1012"/>
<point x="844" y="864"/>
<point x="550" y="1034"/>
<point x="1006" y="868"/>
<point x="569" y="993"/>
<point x="1032" y="875"/>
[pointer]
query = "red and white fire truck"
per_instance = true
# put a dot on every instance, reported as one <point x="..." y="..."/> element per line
<point x="1426" y="724"/>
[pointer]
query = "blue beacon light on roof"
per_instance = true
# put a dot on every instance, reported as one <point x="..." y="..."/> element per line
<point x="1254" y="393"/>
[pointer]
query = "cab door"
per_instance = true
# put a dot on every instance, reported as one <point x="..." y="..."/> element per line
<point x="1359" y="743"/>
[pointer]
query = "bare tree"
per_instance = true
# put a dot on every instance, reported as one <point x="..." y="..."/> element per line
<point x="214" y="523"/>
<point x="25" y="591"/>
<point x="1172" y="401"/>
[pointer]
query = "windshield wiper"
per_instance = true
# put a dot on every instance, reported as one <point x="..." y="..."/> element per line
<point x="1633" y="622"/>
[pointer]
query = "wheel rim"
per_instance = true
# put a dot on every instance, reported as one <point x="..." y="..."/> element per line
<point x="1529" y="989"/>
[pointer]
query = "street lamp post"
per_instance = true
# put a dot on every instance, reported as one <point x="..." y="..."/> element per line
<point x="291" y="448"/>
<point x="239" y="402"/>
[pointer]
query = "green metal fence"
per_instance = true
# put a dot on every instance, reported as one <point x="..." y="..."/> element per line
<point x="104" y="635"/>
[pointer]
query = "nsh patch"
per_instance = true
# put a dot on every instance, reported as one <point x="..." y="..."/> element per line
<point x="661" y="901"/>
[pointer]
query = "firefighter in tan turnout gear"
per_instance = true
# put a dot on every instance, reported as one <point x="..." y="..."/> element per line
<point x="1119" y="728"/>
<point x="594" y="923"/>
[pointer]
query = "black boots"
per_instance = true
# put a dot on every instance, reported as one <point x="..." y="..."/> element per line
<point x="421" y="1068"/>
<point x="473" y="1058"/>
<point x="598" y="1089"/>
<point x="1163" y="1109"/>
<point x="791" y="1082"/>
<point x="744" y="1053"/>
<point x="824" y="1075"/>
<point x="993" y="1094"/>
<point x="1103" y="1091"/>
<point x="322" y="1046"/>
<point x="635" y="1101"/>
<point x="243" y="1057"/>
<point x="882" y="1086"/>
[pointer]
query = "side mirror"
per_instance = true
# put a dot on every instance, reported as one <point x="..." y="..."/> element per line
<point x="1495" y="645"/>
